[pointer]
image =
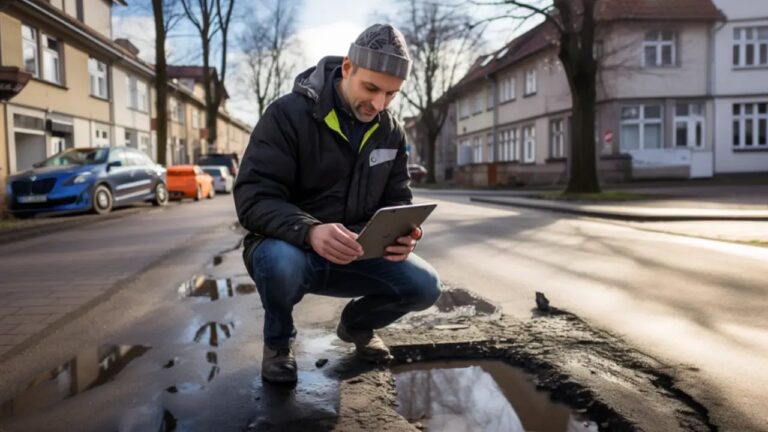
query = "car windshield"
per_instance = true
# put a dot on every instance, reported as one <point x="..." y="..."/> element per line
<point x="77" y="157"/>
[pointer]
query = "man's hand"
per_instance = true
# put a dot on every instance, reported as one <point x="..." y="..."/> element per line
<point x="334" y="242"/>
<point x="404" y="246"/>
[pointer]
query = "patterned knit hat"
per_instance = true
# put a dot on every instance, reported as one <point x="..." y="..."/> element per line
<point x="381" y="48"/>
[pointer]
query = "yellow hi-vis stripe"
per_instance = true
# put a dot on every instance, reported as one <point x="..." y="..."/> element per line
<point x="332" y="120"/>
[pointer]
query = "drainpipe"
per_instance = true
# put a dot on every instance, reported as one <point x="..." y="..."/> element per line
<point x="711" y="81"/>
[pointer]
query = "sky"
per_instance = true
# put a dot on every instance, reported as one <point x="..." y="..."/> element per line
<point x="325" y="27"/>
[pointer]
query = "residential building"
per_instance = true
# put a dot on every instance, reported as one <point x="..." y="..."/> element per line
<point x="655" y="112"/>
<point x="739" y="85"/>
<point x="88" y="90"/>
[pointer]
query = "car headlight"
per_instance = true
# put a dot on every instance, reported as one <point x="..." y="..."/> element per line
<point x="80" y="178"/>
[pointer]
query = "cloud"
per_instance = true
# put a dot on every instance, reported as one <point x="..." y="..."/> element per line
<point x="329" y="39"/>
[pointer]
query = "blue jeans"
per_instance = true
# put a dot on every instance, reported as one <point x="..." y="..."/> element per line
<point x="284" y="273"/>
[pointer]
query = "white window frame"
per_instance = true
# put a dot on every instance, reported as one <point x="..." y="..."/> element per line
<point x="750" y="117"/>
<point x="695" y="118"/>
<point x="642" y="122"/>
<point x="507" y="89"/>
<point x="477" y="150"/>
<point x="529" y="144"/>
<point x="101" y="136"/>
<point x="489" y="147"/>
<point x="655" y="40"/>
<point x="464" y="107"/>
<point x="142" y="95"/>
<point x="746" y="38"/>
<point x="195" y="118"/>
<point x="530" y="81"/>
<point x="477" y="102"/>
<point x="98" y="73"/>
<point x="52" y="67"/>
<point x="30" y="43"/>
<point x="557" y="138"/>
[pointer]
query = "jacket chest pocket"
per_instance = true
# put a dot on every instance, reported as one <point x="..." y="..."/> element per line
<point x="380" y="156"/>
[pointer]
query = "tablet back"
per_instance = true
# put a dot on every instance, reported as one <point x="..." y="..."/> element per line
<point x="389" y="223"/>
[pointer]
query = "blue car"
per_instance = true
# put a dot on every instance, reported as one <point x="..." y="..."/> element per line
<point x="87" y="179"/>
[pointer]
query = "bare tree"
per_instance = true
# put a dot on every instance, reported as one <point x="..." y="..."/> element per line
<point x="211" y="18"/>
<point x="441" y="42"/>
<point x="268" y="44"/>
<point x="166" y="15"/>
<point x="575" y="26"/>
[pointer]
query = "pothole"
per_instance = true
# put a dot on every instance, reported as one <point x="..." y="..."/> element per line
<point x="87" y="370"/>
<point x="479" y="395"/>
<point x="213" y="289"/>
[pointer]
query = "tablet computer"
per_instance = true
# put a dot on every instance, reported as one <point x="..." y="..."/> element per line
<point x="389" y="223"/>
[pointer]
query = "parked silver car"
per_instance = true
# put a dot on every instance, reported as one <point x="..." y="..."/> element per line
<point x="222" y="179"/>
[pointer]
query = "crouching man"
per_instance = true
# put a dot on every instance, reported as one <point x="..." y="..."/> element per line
<point x="320" y="162"/>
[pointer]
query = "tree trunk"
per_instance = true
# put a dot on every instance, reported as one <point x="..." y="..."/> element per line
<point x="161" y="84"/>
<point x="583" y="158"/>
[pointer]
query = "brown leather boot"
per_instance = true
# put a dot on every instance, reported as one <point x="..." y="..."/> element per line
<point x="368" y="346"/>
<point x="278" y="365"/>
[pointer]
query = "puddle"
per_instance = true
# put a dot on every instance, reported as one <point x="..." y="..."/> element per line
<point x="184" y="388"/>
<point x="213" y="289"/>
<point x="479" y="395"/>
<point x="88" y="369"/>
<point x="213" y="333"/>
<point x="463" y="303"/>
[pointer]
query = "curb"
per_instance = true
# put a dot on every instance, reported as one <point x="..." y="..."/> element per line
<point x="631" y="214"/>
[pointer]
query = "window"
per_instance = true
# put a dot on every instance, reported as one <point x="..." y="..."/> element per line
<point x="137" y="93"/>
<point x="557" y="138"/>
<point x="477" y="102"/>
<point x="514" y="148"/>
<point x="477" y="150"/>
<point x="131" y="139"/>
<point x="489" y="148"/>
<point x="530" y="82"/>
<point x="195" y="119"/>
<point x="463" y="107"/>
<point x="659" y="49"/>
<point x="507" y="89"/>
<point x="689" y="125"/>
<point x="177" y="110"/>
<point x="101" y="136"/>
<point x="51" y="60"/>
<point x="98" y="73"/>
<point x="508" y="148"/>
<point x="750" y="46"/>
<point x="640" y="127"/>
<point x="529" y="144"/>
<point x="29" y="49"/>
<point x="750" y="125"/>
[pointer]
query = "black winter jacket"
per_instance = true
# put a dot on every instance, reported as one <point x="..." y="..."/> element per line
<point x="299" y="170"/>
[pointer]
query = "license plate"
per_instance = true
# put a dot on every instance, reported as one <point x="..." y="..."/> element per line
<point x="32" y="199"/>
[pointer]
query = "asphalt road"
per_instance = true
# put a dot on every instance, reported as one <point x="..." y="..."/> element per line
<point x="697" y="305"/>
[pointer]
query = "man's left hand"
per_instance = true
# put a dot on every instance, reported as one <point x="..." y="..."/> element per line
<point x="404" y="246"/>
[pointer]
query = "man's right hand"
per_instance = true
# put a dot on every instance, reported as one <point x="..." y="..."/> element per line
<point x="334" y="242"/>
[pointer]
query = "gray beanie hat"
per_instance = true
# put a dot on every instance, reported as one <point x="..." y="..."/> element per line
<point x="381" y="48"/>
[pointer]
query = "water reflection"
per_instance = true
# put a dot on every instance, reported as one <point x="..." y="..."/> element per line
<point x="85" y="371"/>
<point x="211" y="333"/>
<point x="213" y="289"/>
<point x="479" y="396"/>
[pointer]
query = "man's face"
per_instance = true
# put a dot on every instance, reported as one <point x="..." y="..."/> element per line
<point x="368" y="92"/>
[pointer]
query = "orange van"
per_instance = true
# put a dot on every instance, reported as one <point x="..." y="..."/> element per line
<point x="189" y="181"/>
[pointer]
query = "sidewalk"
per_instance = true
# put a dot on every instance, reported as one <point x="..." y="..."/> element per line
<point x="735" y="213"/>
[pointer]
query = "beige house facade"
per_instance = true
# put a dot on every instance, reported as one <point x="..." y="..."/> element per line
<point x="88" y="90"/>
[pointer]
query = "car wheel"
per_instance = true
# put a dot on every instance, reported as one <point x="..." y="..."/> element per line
<point x="199" y="193"/>
<point x="161" y="195"/>
<point x="211" y="192"/>
<point x="102" y="200"/>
